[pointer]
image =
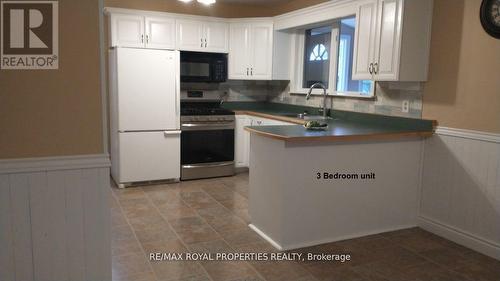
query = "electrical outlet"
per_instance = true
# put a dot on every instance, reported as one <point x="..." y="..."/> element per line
<point x="406" y="106"/>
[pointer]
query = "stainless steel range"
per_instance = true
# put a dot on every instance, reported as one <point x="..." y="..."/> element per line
<point x="207" y="140"/>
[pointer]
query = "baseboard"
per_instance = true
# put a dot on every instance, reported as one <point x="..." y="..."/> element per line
<point x="29" y="165"/>
<point x="239" y="170"/>
<point x="323" y="241"/>
<point x="468" y="134"/>
<point x="460" y="237"/>
<point x="267" y="238"/>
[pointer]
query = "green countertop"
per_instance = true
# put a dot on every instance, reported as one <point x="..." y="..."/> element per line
<point x="345" y="125"/>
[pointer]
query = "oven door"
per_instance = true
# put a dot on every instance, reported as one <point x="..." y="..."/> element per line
<point x="198" y="147"/>
<point x="206" y="152"/>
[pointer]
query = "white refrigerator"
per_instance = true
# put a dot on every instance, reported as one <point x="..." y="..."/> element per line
<point x="144" y="115"/>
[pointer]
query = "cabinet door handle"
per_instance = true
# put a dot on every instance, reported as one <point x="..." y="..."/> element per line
<point x="147" y="38"/>
<point x="375" y="68"/>
<point x="206" y="42"/>
<point x="251" y="71"/>
<point x="170" y="133"/>
<point x="247" y="71"/>
<point x="201" y="42"/>
<point x="370" y="68"/>
<point x="142" y="38"/>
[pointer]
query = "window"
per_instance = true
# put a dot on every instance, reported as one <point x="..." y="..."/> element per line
<point x="316" y="56"/>
<point x="327" y="56"/>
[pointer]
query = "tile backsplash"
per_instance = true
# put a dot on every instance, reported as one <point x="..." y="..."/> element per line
<point x="388" y="100"/>
<point x="237" y="90"/>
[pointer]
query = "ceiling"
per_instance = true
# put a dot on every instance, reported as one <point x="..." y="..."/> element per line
<point x="254" y="2"/>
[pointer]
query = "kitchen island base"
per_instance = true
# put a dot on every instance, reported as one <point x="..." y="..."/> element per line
<point x="303" y="194"/>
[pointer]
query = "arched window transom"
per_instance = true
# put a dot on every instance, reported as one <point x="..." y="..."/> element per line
<point x="318" y="53"/>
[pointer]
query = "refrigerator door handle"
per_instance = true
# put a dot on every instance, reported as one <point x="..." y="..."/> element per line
<point x="177" y="86"/>
<point x="171" y="133"/>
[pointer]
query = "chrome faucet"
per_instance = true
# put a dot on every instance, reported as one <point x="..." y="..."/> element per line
<point x="222" y="97"/>
<point x="322" y="86"/>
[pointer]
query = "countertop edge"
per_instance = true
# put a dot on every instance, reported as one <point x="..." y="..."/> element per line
<point x="270" y="116"/>
<point x="370" y="137"/>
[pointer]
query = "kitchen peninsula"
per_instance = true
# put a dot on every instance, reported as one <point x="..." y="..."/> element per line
<point x="311" y="187"/>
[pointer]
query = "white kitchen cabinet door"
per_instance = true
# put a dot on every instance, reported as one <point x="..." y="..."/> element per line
<point x="127" y="30"/>
<point x="148" y="156"/>
<point x="239" y="51"/>
<point x="261" y="47"/>
<point x="242" y="141"/>
<point x="217" y="35"/>
<point x="190" y="35"/>
<point x="387" y="49"/>
<point x="364" y="45"/>
<point x="160" y="33"/>
<point x="148" y="98"/>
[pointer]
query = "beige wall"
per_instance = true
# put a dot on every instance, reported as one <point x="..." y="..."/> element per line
<point x="56" y="112"/>
<point x="464" y="86"/>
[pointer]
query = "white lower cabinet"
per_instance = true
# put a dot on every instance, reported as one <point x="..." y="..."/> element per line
<point x="242" y="137"/>
<point x="242" y="141"/>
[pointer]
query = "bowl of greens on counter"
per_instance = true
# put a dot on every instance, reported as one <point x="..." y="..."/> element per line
<point x="316" y="126"/>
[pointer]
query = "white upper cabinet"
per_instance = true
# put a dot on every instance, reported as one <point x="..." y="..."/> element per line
<point x="160" y="33"/>
<point x="251" y="51"/>
<point x="127" y="30"/>
<point x="365" y="37"/>
<point x="261" y="47"/>
<point x="190" y="35"/>
<point x="389" y="39"/>
<point x="239" y="51"/>
<point x="217" y="35"/>
<point x="194" y="35"/>
<point x="136" y="31"/>
<point x="392" y="40"/>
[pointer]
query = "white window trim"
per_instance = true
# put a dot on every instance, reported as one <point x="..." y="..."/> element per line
<point x="297" y="53"/>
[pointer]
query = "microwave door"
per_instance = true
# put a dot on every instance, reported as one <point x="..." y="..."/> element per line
<point x="195" y="71"/>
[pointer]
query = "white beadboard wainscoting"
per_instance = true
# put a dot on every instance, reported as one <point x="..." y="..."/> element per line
<point x="460" y="194"/>
<point x="55" y="219"/>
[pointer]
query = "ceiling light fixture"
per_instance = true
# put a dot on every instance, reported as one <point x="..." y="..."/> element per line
<point x="186" y="1"/>
<point x="206" y="2"/>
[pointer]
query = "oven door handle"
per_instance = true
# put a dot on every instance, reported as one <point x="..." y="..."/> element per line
<point x="204" y="126"/>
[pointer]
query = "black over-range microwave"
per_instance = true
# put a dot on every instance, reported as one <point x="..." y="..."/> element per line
<point x="203" y="67"/>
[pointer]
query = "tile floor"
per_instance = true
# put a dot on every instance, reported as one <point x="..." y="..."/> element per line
<point x="212" y="215"/>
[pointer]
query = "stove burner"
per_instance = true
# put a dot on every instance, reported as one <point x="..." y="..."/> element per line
<point x="203" y="108"/>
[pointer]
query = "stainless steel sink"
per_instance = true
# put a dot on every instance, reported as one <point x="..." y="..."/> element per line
<point x="306" y="117"/>
<point x="293" y="115"/>
<point x="316" y="117"/>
